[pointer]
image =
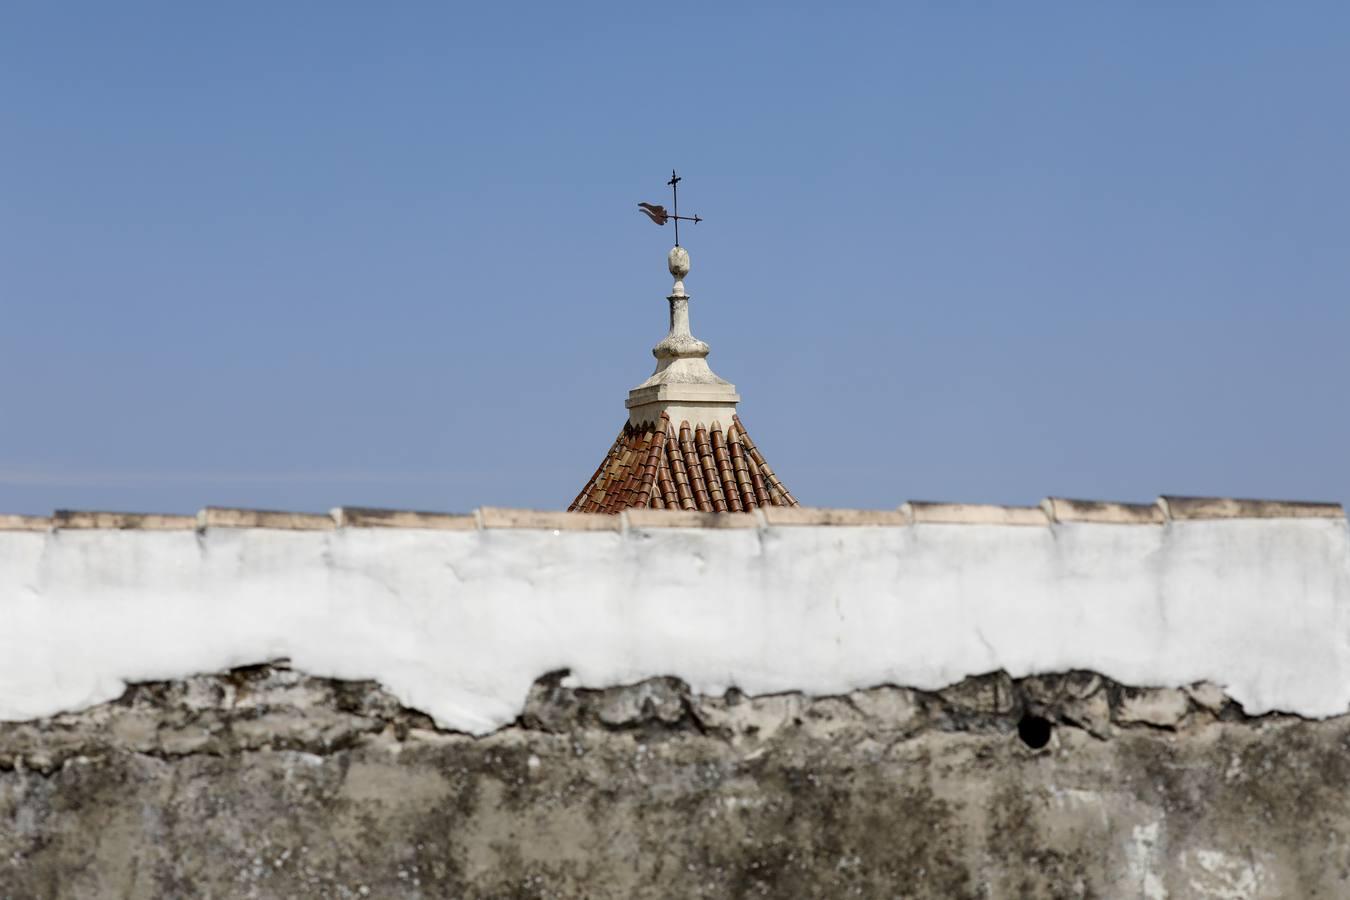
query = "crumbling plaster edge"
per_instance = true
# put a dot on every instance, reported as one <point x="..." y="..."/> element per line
<point x="1083" y="701"/>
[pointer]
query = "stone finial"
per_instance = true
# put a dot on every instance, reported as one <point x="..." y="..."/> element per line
<point x="679" y="342"/>
<point x="682" y="386"/>
<point x="678" y="263"/>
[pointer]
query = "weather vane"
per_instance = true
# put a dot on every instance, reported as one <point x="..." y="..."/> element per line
<point x="659" y="215"/>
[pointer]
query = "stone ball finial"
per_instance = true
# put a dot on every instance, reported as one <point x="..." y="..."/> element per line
<point x="678" y="262"/>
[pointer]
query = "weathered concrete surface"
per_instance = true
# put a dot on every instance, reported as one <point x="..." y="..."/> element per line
<point x="266" y="783"/>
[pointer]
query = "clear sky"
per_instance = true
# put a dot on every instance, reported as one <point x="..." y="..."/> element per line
<point x="301" y="255"/>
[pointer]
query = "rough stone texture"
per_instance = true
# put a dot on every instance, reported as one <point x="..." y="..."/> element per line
<point x="263" y="782"/>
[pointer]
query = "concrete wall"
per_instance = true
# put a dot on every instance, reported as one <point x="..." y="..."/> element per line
<point x="266" y="783"/>
<point x="1073" y="700"/>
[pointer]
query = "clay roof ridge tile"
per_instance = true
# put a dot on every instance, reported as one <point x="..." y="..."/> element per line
<point x="633" y="470"/>
<point x="583" y="497"/>
<point x="716" y="494"/>
<point x="769" y="477"/>
<point x="724" y="474"/>
<point x="762" y="493"/>
<point x="697" y="485"/>
<point x="668" y="492"/>
<point x="647" y="486"/>
<point x="675" y="456"/>
<point x="740" y="482"/>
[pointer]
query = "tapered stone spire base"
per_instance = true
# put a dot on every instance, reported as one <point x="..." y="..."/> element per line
<point x="683" y="386"/>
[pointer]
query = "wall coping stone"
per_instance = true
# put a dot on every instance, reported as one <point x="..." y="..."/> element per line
<point x="224" y="517"/>
<point x="925" y="513"/>
<point x="808" y="515"/>
<point x="554" y="520"/>
<point x="1183" y="508"/>
<point x="83" y="519"/>
<point x="365" y="517"/>
<point x="1051" y="510"/>
<point x="1060" y="509"/>
<point x="686" y="518"/>
<point x="15" y="522"/>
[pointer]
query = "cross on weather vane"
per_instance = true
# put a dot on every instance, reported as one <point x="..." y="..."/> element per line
<point x="659" y="215"/>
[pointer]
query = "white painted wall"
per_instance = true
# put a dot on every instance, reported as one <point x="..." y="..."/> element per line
<point x="459" y="623"/>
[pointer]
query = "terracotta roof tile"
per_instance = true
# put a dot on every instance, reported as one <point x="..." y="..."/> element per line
<point x="669" y="498"/>
<point x="701" y="470"/>
<point x="703" y="447"/>
<point x="770" y="479"/>
<point x="675" y="459"/>
<point x="723" y="463"/>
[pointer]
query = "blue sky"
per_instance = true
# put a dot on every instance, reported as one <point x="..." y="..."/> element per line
<point x="303" y="255"/>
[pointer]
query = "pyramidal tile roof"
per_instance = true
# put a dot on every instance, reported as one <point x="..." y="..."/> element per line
<point x="673" y="453"/>
<point x="700" y="468"/>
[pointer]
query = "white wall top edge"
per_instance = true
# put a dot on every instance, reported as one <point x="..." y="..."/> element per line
<point x="1052" y="510"/>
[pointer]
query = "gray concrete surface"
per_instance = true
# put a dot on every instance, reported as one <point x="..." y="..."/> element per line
<point x="263" y="782"/>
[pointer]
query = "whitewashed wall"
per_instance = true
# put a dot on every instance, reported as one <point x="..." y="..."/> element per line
<point x="458" y="622"/>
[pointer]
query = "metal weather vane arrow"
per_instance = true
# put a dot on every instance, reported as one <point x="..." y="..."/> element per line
<point x="660" y="216"/>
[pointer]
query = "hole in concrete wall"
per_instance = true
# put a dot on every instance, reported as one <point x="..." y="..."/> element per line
<point x="1034" y="731"/>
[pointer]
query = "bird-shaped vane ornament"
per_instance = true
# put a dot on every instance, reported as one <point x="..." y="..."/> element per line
<point x="656" y="213"/>
<point x="660" y="216"/>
